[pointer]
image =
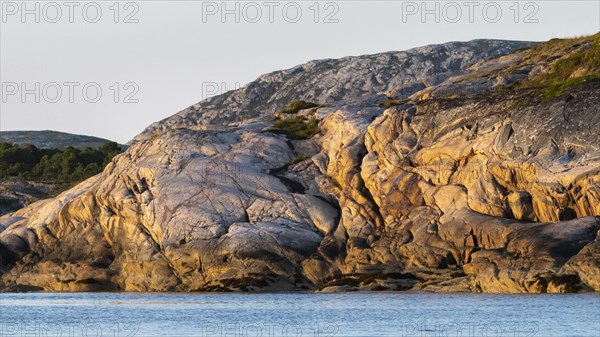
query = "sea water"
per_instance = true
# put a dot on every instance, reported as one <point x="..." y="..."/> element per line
<point x="297" y="314"/>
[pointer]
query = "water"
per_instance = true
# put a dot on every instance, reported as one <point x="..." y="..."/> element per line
<point x="298" y="314"/>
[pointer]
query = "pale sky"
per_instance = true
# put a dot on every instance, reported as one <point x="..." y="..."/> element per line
<point x="174" y="53"/>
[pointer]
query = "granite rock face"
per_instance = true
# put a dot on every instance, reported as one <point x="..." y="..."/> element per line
<point x="429" y="172"/>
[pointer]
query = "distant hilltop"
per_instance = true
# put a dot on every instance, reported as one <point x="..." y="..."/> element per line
<point x="52" y="139"/>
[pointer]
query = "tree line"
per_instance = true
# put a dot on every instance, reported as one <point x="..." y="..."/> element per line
<point x="68" y="166"/>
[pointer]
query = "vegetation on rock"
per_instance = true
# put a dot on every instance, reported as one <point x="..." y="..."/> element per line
<point x="296" y="128"/>
<point x="577" y="62"/>
<point x="296" y="106"/>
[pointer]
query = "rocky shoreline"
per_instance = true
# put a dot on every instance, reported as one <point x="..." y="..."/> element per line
<point x="445" y="168"/>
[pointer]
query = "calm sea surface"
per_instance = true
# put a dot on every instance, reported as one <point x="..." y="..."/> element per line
<point x="274" y="315"/>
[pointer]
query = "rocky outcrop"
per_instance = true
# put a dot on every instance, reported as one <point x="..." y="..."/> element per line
<point x="418" y="179"/>
<point x="347" y="82"/>
<point x="16" y="193"/>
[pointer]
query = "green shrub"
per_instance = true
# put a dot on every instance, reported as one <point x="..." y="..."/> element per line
<point x="298" y="127"/>
<point x="296" y="106"/>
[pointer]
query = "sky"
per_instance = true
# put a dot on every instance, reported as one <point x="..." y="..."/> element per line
<point x="109" y="69"/>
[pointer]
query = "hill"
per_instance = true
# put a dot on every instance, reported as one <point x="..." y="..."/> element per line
<point x="466" y="166"/>
<point x="51" y="139"/>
